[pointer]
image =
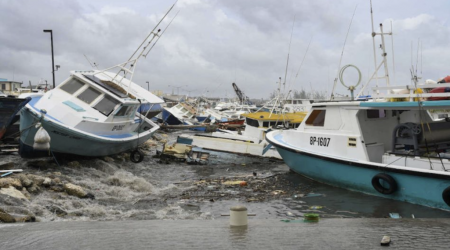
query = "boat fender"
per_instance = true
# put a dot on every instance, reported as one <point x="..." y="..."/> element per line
<point x="136" y="156"/>
<point x="41" y="140"/>
<point x="446" y="196"/>
<point x="389" y="180"/>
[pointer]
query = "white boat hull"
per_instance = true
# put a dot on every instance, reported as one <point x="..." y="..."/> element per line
<point x="234" y="145"/>
<point x="72" y="141"/>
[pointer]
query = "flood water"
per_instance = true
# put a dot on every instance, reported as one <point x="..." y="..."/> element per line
<point x="154" y="190"/>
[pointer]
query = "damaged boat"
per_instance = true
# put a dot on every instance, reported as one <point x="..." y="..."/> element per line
<point x="93" y="112"/>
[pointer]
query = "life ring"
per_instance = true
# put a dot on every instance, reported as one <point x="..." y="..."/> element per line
<point x="136" y="156"/>
<point x="446" y="196"/>
<point x="389" y="180"/>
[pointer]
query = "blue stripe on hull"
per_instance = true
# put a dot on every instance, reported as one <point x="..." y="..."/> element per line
<point x="422" y="190"/>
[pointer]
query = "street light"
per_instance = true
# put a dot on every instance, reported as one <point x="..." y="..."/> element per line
<point x="53" y="60"/>
<point x="148" y="85"/>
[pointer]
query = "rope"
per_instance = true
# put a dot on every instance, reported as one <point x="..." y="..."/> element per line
<point x="20" y="132"/>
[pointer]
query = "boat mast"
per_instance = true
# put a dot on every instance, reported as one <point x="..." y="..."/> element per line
<point x="384" y="54"/>
<point x="129" y="66"/>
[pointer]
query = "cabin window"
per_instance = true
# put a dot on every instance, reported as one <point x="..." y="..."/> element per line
<point x="3" y="86"/>
<point x="89" y="95"/>
<point x="376" y="113"/>
<point x="273" y="124"/>
<point x="125" y="111"/>
<point x="317" y="118"/>
<point x="252" y="122"/>
<point x="106" y="105"/>
<point x="72" y="86"/>
<point x="122" y="111"/>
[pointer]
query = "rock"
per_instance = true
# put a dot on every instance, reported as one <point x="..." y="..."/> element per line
<point x="108" y="159"/>
<point x="57" y="188"/>
<point x="74" y="164"/>
<point x="75" y="190"/>
<point x="34" y="189"/>
<point x="26" y="218"/>
<point x="10" y="182"/>
<point x="47" y="182"/>
<point x="5" y="217"/>
<point x="26" y="193"/>
<point x="11" y="191"/>
<point x="36" y="179"/>
<point x="26" y="182"/>
<point x="6" y="200"/>
<point x="57" y="181"/>
<point x="19" y="214"/>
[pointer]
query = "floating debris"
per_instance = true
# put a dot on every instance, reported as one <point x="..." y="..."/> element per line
<point x="395" y="215"/>
<point x="385" y="241"/>
<point x="311" y="217"/>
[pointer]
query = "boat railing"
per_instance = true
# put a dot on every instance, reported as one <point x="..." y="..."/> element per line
<point x="410" y="91"/>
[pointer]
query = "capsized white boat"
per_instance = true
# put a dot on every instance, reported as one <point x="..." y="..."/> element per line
<point x="92" y="113"/>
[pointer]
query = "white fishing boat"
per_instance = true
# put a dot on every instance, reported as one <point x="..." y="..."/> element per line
<point x="390" y="146"/>
<point x="251" y="140"/>
<point x="93" y="112"/>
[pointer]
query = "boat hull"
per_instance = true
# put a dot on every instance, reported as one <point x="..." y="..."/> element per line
<point x="9" y="108"/>
<point x="231" y="145"/>
<point x="416" y="187"/>
<point x="169" y="118"/>
<point x="69" y="141"/>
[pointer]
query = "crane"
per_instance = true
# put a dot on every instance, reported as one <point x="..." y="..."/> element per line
<point x="243" y="99"/>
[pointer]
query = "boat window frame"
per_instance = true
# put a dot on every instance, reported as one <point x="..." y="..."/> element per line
<point x="112" y="100"/>
<point x="72" y="80"/>
<point x="92" y="90"/>
<point x="128" y="112"/>
<point x="316" y="114"/>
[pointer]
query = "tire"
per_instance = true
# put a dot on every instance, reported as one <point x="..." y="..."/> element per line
<point x="446" y="196"/>
<point x="136" y="156"/>
<point x="389" y="180"/>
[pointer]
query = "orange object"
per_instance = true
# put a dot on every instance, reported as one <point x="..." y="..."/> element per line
<point x="243" y="184"/>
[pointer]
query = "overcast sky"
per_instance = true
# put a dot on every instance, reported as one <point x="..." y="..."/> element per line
<point x="212" y="43"/>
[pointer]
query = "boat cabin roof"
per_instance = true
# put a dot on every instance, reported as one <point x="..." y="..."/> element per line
<point x="414" y="105"/>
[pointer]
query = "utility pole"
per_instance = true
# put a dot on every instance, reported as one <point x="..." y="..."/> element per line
<point x="53" y="58"/>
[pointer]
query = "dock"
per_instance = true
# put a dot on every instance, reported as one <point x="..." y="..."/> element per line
<point x="217" y="234"/>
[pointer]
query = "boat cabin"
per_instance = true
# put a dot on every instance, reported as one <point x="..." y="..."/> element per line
<point x="90" y="101"/>
<point x="379" y="132"/>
